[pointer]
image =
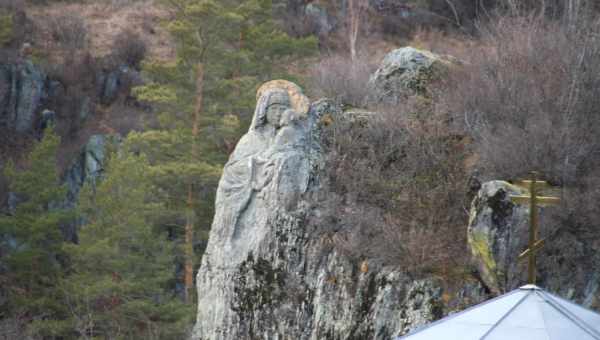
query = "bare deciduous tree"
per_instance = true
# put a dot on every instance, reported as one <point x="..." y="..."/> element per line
<point x="357" y="10"/>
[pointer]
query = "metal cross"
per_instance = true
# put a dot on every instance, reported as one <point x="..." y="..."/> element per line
<point x="533" y="186"/>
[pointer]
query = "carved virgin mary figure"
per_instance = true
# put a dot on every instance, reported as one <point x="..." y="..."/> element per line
<point x="261" y="182"/>
<point x="252" y="166"/>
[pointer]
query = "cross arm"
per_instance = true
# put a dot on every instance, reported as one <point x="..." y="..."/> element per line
<point x="541" y="200"/>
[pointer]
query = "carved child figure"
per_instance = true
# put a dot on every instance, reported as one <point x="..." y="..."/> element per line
<point x="289" y="135"/>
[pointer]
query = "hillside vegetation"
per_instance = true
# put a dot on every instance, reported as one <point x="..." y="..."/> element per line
<point x="170" y="86"/>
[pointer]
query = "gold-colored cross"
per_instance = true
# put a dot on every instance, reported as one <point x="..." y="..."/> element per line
<point x="533" y="186"/>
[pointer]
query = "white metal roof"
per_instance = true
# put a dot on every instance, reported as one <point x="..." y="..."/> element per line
<point x="528" y="313"/>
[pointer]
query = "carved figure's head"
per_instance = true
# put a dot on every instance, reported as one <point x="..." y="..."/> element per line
<point x="278" y="103"/>
<point x="288" y="118"/>
<point x="270" y="108"/>
<point x="273" y="98"/>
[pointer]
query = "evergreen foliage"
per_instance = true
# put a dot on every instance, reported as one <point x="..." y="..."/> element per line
<point x="121" y="285"/>
<point x="240" y="45"/>
<point x="31" y="256"/>
<point x="152" y="211"/>
<point x="204" y="100"/>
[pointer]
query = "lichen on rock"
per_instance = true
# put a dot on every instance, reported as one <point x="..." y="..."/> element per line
<point x="497" y="229"/>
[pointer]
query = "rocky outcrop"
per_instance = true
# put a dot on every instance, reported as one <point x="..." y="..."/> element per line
<point x="87" y="167"/>
<point x="497" y="231"/>
<point x="265" y="274"/>
<point x="405" y="72"/>
<point x="111" y="82"/>
<point x="568" y="264"/>
<point x="268" y="274"/>
<point x="25" y="90"/>
<point x="22" y="91"/>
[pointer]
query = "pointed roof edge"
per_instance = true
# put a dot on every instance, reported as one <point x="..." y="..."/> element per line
<point x="452" y="316"/>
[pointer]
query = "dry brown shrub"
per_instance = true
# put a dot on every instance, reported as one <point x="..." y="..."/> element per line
<point x="398" y="190"/>
<point x="340" y="79"/>
<point x="129" y="48"/>
<point x="442" y="42"/>
<point x="69" y="30"/>
<point x="528" y="98"/>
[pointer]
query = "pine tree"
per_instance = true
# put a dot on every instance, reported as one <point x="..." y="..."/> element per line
<point x="225" y="49"/>
<point x="122" y="279"/>
<point x="34" y="260"/>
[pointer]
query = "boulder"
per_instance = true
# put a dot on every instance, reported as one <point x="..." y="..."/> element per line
<point x="405" y="72"/>
<point x="22" y="91"/>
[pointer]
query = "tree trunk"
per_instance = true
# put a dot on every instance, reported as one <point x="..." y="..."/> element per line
<point x="354" y="17"/>
<point x="190" y="214"/>
<point x="356" y="11"/>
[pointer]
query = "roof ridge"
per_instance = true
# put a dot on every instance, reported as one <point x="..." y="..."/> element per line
<point x="543" y="318"/>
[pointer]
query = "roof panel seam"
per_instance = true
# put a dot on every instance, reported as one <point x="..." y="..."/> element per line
<point x="543" y="318"/>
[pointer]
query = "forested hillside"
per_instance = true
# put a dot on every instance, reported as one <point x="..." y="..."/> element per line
<point x="117" y="118"/>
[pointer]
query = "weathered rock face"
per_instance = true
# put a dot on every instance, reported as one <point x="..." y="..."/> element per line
<point x="405" y="72"/>
<point x="264" y="274"/>
<point x="25" y="90"/>
<point x="87" y="167"/>
<point x="568" y="264"/>
<point x="111" y="82"/>
<point x="22" y="90"/>
<point x="497" y="230"/>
